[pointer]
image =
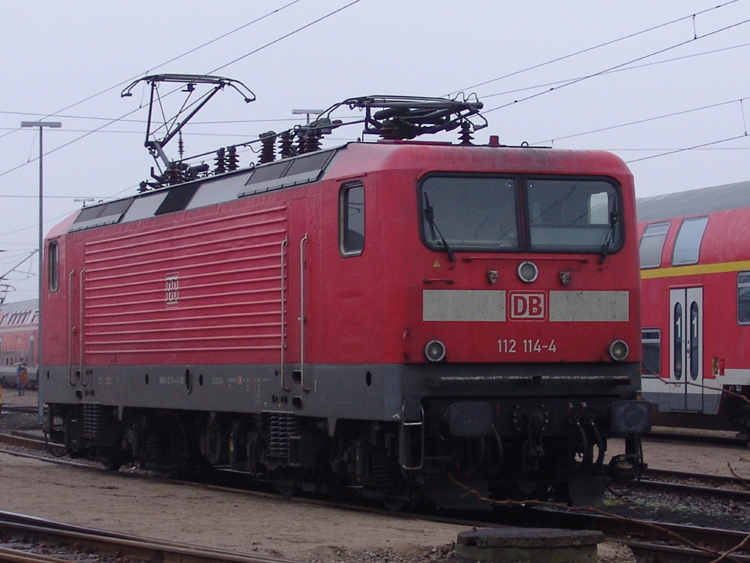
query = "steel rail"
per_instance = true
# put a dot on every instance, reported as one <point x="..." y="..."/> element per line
<point x="19" y="409"/>
<point x="664" y="435"/>
<point x="33" y="444"/>
<point x="705" y="491"/>
<point x="83" y="539"/>
<point x="672" y="554"/>
<point x="642" y="536"/>
<point x="23" y="556"/>
<point x="717" y="479"/>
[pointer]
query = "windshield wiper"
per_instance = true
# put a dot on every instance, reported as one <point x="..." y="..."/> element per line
<point x="429" y="215"/>
<point x="610" y="236"/>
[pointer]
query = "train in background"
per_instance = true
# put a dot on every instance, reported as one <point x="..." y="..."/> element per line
<point x="18" y="338"/>
<point x="399" y="318"/>
<point x="695" y="271"/>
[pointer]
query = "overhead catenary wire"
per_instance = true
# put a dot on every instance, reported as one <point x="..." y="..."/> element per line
<point x="595" y="47"/>
<point x="286" y="36"/>
<point x="621" y="65"/>
<point x="485" y="96"/>
<point x="292" y="120"/>
<point x="694" y="147"/>
<point x="645" y="120"/>
<point x="355" y="2"/>
<point x="254" y="51"/>
<point x="173" y="59"/>
<point x="618" y="70"/>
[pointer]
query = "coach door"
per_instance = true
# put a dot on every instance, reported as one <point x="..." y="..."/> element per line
<point x="686" y="349"/>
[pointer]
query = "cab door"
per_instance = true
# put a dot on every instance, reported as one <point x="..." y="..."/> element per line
<point x="686" y="349"/>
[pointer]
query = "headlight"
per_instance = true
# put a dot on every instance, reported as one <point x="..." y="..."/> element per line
<point x="618" y="350"/>
<point x="434" y="351"/>
<point x="528" y="272"/>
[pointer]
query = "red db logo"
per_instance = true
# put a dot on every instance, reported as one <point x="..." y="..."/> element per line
<point x="528" y="306"/>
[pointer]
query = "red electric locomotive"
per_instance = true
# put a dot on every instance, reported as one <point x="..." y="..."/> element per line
<point x="401" y="318"/>
<point x="18" y="333"/>
<point x="695" y="260"/>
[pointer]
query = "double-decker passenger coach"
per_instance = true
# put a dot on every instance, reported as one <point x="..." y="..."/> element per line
<point x="401" y="318"/>
<point x="695" y="260"/>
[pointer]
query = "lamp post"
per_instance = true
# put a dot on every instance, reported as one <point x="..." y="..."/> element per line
<point x="41" y="125"/>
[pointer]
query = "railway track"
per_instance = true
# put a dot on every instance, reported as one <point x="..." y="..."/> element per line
<point x="642" y="536"/>
<point x="28" y="532"/>
<point x="667" y="542"/>
<point x="20" y="441"/>
<point x="713" y="438"/>
<point x="19" y="410"/>
<point x="703" y="485"/>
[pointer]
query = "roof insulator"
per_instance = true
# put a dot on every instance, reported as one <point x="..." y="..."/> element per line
<point x="233" y="160"/>
<point x="268" y="150"/>
<point x="466" y="133"/>
<point x="221" y="161"/>
<point x="286" y="144"/>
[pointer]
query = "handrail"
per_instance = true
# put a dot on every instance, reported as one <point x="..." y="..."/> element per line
<point x="80" y="331"/>
<point x="283" y="316"/>
<point x="70" y="328"/>
<point x="302" y="311"/>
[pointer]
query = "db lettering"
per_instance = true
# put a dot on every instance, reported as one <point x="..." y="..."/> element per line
<point x="527" y="306"/>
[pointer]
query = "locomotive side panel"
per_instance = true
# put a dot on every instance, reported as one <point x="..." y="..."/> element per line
<point x="198" y="290"/>
<point x="191" y="302"/>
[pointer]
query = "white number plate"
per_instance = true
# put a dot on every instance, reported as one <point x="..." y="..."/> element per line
<point x="528" y="346"/>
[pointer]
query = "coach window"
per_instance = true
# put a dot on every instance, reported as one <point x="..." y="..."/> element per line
<point x="652" y="244"/>
<point x="352" y="219"/>
<point x="688" y="244"/>
<point x="743" y="298"/>
<point x="53" y="261"/>
<point x="651" y="341"/>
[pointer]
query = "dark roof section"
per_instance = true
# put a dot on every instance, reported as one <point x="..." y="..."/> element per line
<point x="202" y="192"/>
<point x="694" y="202"/>
<point x="32" y="304"/>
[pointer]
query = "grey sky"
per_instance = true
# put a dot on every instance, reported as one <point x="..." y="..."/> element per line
<point x="57" y="54"/>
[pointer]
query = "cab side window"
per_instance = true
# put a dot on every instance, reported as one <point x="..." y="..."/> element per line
<point x="53" y="257"/>
<point x="352" y="219"/>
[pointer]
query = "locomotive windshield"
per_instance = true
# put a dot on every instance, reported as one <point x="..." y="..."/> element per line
<point x="470" y="213"/>
<point x="482" y="214"/>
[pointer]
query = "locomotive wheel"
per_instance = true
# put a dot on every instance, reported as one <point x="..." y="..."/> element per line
<point x="745" y="420"/>
<point x="395" y="504"/>
<point x="286" y="481"/>
<point x="111" y="463"/>
<point x="73" y="444"/>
